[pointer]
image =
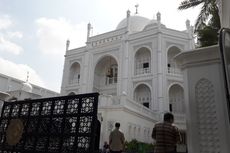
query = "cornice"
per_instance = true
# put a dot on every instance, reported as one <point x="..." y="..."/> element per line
<point x="201" y="56"/>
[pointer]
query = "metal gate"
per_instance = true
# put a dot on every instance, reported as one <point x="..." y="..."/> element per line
<point x="65" y="124"/>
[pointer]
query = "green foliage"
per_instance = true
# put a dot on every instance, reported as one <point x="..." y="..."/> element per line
<point x="207" y="23"/>
<point x="135" y="146"/>
<point x="207" y="36"/>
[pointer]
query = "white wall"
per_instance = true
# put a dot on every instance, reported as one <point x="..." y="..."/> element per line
<point x="208" y="124"/>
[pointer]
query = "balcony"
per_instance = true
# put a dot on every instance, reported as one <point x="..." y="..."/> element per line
<point x="141" y="71"/>
<point x="174" y="70"/>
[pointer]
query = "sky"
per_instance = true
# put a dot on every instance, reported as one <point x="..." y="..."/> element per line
<point x="33" y="33"/>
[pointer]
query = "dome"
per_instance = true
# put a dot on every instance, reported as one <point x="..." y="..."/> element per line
<point x="137" y="23"/>
<point x="4" y="95"/>
<point x="27" y="87"/>
<point x="152" y="23"/>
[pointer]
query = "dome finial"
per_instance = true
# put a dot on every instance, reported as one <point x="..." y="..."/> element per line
<point x="137" y="5"/>
<point x="158" y="16"/>
<point x="128" y="13"/>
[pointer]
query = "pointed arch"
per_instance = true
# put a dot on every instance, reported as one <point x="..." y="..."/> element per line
<point x="72" y="93"/>
<point x="74" y="73"/>
<point x="105" y="75"/>
<point x="142" y="95"/>
<point x="176" y="99"/>
<point x="171" y="64"/>
<point x="142" y="61"/>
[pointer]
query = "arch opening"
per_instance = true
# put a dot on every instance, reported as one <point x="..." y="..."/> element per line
<point x="74" y="73"/>
<point x="105" y="76"/>
<point x="172" y="65"/>
<point x="176" y="99"/>
<point x="142" y="61"/>
<point x="142" y="95"/>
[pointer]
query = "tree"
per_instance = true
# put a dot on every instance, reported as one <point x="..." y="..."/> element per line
<point x="208" y="22"/>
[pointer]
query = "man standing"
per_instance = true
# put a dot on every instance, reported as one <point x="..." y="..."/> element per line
<point x="166" y="135"/>
<point x="116" y="140"/>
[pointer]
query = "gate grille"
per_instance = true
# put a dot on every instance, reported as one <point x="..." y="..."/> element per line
<point x="52" y="125"/>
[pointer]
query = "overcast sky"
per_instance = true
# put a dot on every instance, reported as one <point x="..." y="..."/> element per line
<point x="33" y="33"/>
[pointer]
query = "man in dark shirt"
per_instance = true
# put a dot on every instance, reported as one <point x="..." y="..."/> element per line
<point x="166" y="135"/>
<point x="116" y="140"/>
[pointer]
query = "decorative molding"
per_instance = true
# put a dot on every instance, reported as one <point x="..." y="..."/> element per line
<point x="207" y="122"/>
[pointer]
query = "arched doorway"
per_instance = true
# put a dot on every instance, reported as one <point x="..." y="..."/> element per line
<point x="105" y="76"/>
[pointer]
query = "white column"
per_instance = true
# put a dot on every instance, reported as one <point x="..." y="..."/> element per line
<point x="65" y="76"/>
<point x="123" y="67"/>
<point x="160" y="97"/>
<point x="85" y="71"/>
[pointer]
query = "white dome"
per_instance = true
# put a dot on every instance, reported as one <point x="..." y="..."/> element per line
<point x="153" y="23"/>
<point x="137" y="23"/>
<point x="27" y="87"/>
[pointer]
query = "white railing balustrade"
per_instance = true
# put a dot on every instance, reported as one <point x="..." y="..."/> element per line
<point x="111" y="80"/>
<point x="141" y="108"/>
<point x="142" y="71"/>
<point x="74" y="81"/>
<point x="174" y="70"/>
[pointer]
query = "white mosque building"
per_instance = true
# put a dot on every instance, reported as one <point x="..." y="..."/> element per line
<point x="13" y="89"/>
<point x="133" y="69"/>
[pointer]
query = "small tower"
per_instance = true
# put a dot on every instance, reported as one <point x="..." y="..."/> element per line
<point x="187" y="24"/>
<point x="128" y="17"/>
<point x="89" y="27"/>
<point x="137" y="5"/>
<point x="190" y="33"/>
<point x="158" y="17"/>
<point x="26" y="86"/>
<point x="67" y="44"/>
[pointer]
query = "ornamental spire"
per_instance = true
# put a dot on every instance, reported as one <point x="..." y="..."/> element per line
<point x="67" y="44"/>
<point x="27" y="77"/>
<point x="158" y="16"/>
<point x="137" y="5"/>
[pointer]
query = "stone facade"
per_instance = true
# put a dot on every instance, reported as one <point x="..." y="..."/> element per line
<point x="20" y="90"/>
<point x="133" y="69"/>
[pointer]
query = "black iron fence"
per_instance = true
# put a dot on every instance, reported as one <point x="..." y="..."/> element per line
<point x="65" y="124"/>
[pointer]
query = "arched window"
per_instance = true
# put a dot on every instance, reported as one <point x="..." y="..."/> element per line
<point x="142" y="61"/>
<point x="71" y="93"/>
<point x="142" y="95"/>
<point x="171" y="65"/>
<point x="176" y="99"/>
<point x="111" y="74"/>
<point x="105" y="76"/>
<point x="74" y="76"/>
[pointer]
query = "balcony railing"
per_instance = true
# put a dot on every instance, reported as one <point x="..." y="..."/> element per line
<point x="74" y="81"/>
<point x="174" y="70"/>
<point x="115" y="101"/>
<point x="111" y="80"/>
<point x="142" y="71"/>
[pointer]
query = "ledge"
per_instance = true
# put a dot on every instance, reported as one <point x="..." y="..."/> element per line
<point x="205" y="55"/>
